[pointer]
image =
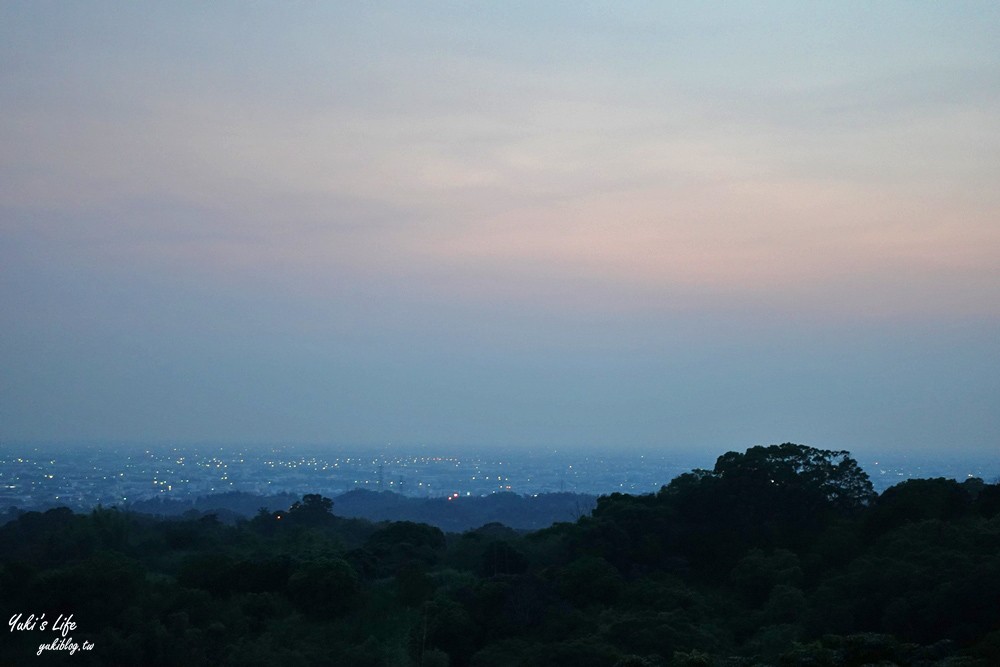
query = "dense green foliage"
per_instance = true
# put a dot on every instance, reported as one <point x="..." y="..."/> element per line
<point x="781" y="555"/>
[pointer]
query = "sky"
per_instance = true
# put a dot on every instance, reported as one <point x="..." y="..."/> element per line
<point x="661" y="226"/>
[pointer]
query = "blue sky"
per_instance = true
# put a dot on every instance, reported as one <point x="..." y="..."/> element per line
<point x="698" y="226"/>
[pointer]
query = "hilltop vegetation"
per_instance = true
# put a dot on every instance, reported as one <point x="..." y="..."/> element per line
<point x="780" y="555"/>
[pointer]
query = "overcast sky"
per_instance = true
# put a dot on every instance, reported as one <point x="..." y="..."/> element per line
<point x="659" y="225"/>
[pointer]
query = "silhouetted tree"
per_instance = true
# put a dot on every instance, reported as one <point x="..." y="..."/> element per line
<point x="312" y="510"/>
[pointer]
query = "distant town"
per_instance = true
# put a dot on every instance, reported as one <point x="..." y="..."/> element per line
<point x="82" y="477"/>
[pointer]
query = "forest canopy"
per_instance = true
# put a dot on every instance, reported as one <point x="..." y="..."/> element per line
<point x="780" y="555"/>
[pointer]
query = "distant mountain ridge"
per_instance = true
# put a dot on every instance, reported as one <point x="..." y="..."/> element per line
<point x="467" y="512"/>
<point x="452" y="514"/>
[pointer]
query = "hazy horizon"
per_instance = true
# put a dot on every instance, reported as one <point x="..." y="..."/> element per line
<point x="691" y="456"/>
<point x="697" y="227"/>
